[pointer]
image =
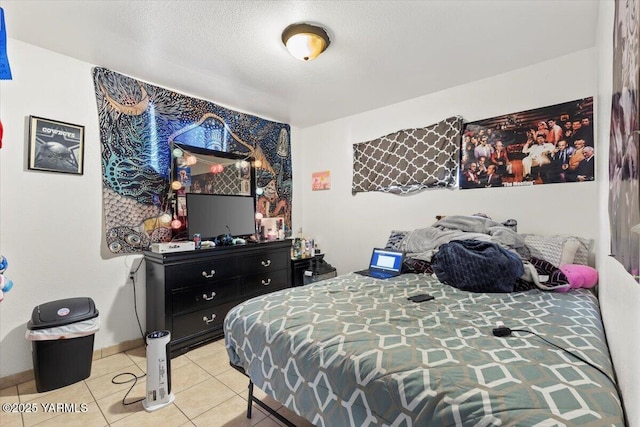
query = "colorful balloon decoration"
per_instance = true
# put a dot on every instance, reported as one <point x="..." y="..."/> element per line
<point x="5" y="283"/>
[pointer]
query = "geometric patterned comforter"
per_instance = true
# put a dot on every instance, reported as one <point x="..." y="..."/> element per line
<point x="353" y="351"/>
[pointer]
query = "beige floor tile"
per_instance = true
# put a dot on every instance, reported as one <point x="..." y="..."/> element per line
<point x="204" y="351"/>
<point x="294" y="418"/>
<point x="139" y="356"/>
<point x="9" y="395"/>
<point x="91" y="417"/>
<point x="235" y="381"/>
<point x="230" y="413"/>
<point x="209" y="392"/>
<point x="75" y="394"/>
<point x="15" y="379"/>
<point x="216" y="363"/>
<point x="273" y="404"/>
<point x="109" y="364"/>
<point x="178" y="362"/>
<point x="201" y="397"/>
<point x="113" y="408"/>
<point x="122" y="347"/>
<point x="169" y="416"/>
<point x="187" y="376"/>
<point x="269" y="422"/>
<point x="102" y="386"/>
<point x="10" y="419"/>
<point x="27" y="391"/>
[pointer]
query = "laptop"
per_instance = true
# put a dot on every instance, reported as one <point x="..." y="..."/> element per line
<point x="384" y="263"/>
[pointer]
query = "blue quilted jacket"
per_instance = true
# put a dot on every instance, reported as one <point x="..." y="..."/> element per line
<point x="477" y="266"/>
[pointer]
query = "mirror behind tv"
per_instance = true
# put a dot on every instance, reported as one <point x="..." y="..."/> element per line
<point x="218" y="192"/>
<point x="214" y="172"/>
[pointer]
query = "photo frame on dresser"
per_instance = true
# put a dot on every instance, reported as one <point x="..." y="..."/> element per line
<point x="55" y="146"/>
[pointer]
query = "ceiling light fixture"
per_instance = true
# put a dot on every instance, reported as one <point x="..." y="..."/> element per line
<point x="305" y="41"/>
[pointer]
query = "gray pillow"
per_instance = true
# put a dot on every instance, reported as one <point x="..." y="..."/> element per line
<point x="559" y="249"/>
<point x="395" y="238"/>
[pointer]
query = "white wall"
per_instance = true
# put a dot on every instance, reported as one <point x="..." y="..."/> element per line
<point x="51" y="226"/>
<point x="619" y="293"/>
<point x="348" y="226"/>
<point x="51" y="223"/>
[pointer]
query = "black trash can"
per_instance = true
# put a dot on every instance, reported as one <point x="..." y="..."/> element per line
<point x="62" y="334"/>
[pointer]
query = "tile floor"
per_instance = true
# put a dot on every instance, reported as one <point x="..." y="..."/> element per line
<point x="208" y="392"/>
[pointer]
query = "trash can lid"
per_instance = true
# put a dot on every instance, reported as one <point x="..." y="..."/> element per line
<point x="62" y="312"/>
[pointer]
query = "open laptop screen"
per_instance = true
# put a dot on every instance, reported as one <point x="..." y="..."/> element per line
<point x="383" y="259"/>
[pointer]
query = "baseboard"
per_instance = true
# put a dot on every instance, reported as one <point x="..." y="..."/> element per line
<point x="26" y="376"/>
<point x="120" y="348"/>
<point x="15" y="379"/>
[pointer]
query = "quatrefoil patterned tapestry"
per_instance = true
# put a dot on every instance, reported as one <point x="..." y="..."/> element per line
<point x="409" y="160"/>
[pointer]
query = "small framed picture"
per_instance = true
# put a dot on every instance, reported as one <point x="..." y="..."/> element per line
<point x="55" y="146"/>
<point x="321" y="181"/>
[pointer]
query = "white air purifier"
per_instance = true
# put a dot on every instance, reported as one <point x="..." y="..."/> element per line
<point x="158" y="371"/>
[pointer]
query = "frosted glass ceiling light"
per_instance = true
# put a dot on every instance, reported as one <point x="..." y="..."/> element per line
<point x="305" y="41"/>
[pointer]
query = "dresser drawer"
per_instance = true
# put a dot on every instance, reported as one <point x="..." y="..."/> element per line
<point x="265" y="261"/>
<point x="199" y="297"/>
<point x="200" y="321"/>
<point x="264" y="283"/>
<point x="190" y="293"/>
<point x="207" y="271"/>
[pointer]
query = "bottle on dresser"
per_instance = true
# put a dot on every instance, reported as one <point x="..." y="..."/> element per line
<point x="302" y="247"/>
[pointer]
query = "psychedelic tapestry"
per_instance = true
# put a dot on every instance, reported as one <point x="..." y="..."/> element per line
<point x="624" y="190"/>
<point x="542" y="146"/>
<point x="141" y="125"/>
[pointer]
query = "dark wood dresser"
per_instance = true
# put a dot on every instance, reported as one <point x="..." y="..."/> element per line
<point x="189" y="293"/>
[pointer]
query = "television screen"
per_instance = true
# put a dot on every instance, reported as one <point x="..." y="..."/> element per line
<point x="214" y="214"/>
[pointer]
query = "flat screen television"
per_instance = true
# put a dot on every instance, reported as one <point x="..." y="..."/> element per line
<point x="211" y="215"/>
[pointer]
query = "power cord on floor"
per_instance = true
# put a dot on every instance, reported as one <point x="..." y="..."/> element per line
<point x="134" y="379"/>
<point x="135" y="306"/>
<point x="132" y="277"/>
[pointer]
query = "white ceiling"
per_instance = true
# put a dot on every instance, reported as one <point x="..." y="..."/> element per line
<point x="381" y="52"/>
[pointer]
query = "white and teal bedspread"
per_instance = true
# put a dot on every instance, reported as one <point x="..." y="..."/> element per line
<point x="353" y="351"/>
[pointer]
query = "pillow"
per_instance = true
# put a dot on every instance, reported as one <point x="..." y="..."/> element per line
<point x="582" y="255"/>
<point x="395" y="238"/>
<point x="580" y="276"/>
<point x="558" y="249"/>
<point x="569" y="251"/>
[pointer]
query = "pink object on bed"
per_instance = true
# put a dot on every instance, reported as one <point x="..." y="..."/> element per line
<point x="580" y="276"/>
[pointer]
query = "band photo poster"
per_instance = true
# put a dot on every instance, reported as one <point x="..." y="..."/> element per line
<point x="546" y="145"/>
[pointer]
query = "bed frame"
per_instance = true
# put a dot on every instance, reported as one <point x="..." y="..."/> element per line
<point x="251" y="399"/>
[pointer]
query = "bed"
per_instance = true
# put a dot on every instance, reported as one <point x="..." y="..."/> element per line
<point x="354" y="351"/>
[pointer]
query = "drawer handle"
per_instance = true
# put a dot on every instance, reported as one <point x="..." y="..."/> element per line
<point x="209" y="275"/>
<point x="207" y="321"/>
<point x="266" y="263"/>
<point x="206" y="298"/>
<point x="267" y="283"/>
